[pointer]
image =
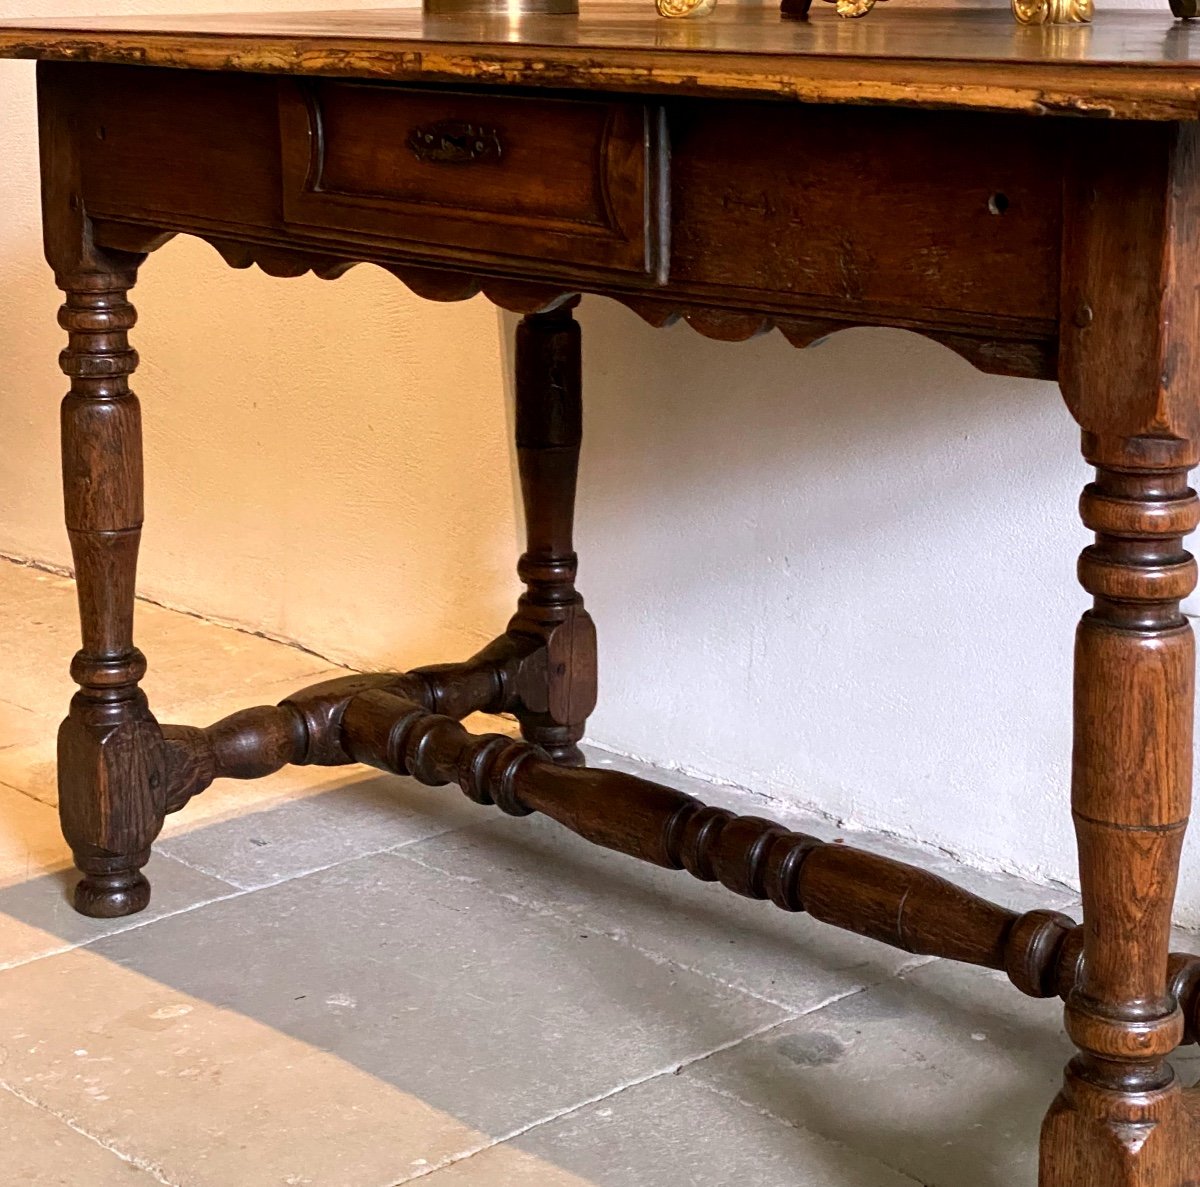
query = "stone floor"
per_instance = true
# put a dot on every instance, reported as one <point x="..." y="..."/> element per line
<point x="346" y="980"/>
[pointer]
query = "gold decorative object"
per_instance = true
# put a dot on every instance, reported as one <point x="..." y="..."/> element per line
<point x="684" y="8"/>
<point x="853" y="8"/>
<point x="1026" y="12"/>
<point x="1053" y="12"/>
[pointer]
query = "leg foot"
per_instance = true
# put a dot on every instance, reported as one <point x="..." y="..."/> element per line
<point x="112" y="895"/>
<point x="556" y="742"/>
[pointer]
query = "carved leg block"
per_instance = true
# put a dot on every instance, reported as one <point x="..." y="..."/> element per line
<point x="1096" y="1138"/>
<point x="554" y="703"/>
<point x="1121" y="1119"/>
<point x="110" y="754"/>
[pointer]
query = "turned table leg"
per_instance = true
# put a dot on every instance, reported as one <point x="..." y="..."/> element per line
<point x="549" y="428"/>
<point x="110" y="773"/>
<point x="1121" y="1117"/>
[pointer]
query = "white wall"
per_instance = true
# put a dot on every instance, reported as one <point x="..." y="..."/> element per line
<point x="843" y="577"/>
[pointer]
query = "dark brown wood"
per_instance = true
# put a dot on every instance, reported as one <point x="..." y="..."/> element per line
<point x="883" y="210"/>
<point x="403" y="723"/>
<point x="356" y="158"/>
<point x="1129" y="373"/>
<point x="1130" y="307"/>
<point x="1122" y="1120"/>
<point x="556" y="695"/>
<point x="760" y="219"/>
<point x="110" y="776"/>
<point x="110" y="772"/>
<point x="837" y="884"/>
<point x="671" y="167"/>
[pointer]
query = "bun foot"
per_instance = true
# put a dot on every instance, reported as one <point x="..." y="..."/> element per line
<point x="567" y="755"/>
<point x="111" y="896"/>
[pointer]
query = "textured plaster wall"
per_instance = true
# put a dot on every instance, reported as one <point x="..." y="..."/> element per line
<point x="842" y="578"/>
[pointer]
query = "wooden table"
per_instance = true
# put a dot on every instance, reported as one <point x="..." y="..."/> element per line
<point x="921" y="169"/>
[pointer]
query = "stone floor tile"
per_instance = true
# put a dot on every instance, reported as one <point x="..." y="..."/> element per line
<point x="38" y="1149"/>
<point x="31" y="843"/>
<point x="193" y="665"/>
<point x="36" y="880"/>
<point x="40" y="636"/>
<point x="751" y="946"/>
<point x="342" y="817"/>
<point x="20" y="726"/>
<point x="207" y="1096"/>
<point x="490" y="1012"/>
<point x="505" y="1165"/>
<point x="669" y="1132"/>
<point x="944" y="1074"/>
<point x="28" y="741"/>
<point x="29" y="763"/>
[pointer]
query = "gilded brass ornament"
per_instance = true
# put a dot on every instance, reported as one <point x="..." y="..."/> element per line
<point x="854" y="8"/>
<point x="1026" y="12"/>
<point x="680" y="9"/>
<point x="1053" y="12"/>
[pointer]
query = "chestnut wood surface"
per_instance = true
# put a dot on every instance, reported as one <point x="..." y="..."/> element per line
<point x="654" y="163"/>
<point x="1136" y="65"/>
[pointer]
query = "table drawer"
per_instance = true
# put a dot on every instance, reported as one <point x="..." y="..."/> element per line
<point x="477" y="177"/>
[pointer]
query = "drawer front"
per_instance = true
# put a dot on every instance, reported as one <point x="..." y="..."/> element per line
<point x="474" y="177"/>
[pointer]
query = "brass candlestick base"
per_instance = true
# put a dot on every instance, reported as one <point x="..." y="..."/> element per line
<point x="1026" y="12"/>
<point x="1052" y="12"/>
<point x="684" y="8"/>
<point x="508" y="8"/>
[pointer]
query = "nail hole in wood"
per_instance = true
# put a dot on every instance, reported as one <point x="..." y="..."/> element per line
<point x="998" y="203"/>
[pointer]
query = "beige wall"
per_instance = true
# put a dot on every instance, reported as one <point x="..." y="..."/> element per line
<point x="840" y="577"/>
<point x="327" y="463"/>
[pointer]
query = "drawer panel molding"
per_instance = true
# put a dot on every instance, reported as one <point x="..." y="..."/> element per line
<point x="478" y="178"/>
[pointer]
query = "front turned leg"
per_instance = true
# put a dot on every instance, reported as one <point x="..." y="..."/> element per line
<point x="1122" y="1117"/>
<point x="553" y="705"/>
<point x="110" y="753"/>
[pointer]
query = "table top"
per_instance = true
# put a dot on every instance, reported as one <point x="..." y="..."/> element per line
<point x="1129" y="64"/>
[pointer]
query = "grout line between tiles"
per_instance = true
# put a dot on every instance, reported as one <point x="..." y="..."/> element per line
<point x="725" y="1093"/>
<point x="137" y="925"/>
<point x="236" y="892"/>
<point x="622" y="939"/>
<point x="616" y="937"/>
<point x="142" y="1164"/>
<point x="762" y="1111"/>
<point x="38" y="566"/>
<point x="165" y="851"/>
<point x="671" y="1069"/>
<point x="21" y="791"/>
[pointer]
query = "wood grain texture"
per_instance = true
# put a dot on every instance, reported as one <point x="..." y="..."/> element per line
<point x="806" y="219"/>
<point x="1128" y="65"/>
<point x="875" y="896"/>
<point x="1121" y="1119"/>
<point x="401" y="722"/>
<point x="1129" y="361"/>
<point x="678" y="173"/>
<point x="554" y="703"/>
<point x="111" y="781"/>
<point x="361" y="158"/>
